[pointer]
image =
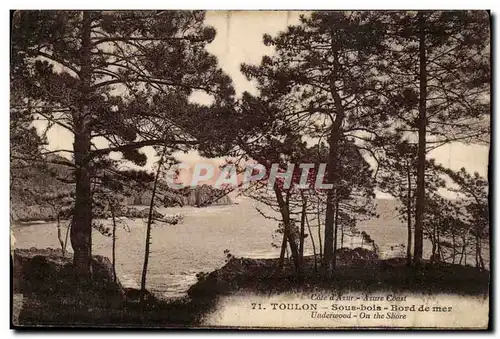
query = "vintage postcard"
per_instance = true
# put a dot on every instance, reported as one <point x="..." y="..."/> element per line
<point x="250" y="169"/>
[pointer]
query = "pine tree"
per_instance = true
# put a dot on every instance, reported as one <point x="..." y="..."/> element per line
<point x="439" y="65"/>
<point x="473" y="189"/>
<point x="324" y="70"/>
<point x="273" y="135"/>
<point x="122" y="76"/>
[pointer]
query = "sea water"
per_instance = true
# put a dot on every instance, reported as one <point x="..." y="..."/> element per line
<point x="179" y="252"/>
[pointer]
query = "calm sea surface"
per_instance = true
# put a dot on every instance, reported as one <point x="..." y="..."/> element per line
<point x="179" y="252"/>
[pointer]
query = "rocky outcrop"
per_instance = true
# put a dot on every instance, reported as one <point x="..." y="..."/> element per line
<point x="133" y="213"/>
<point x="357" y="269"/>
<point x="46" y="293"/>
<point x="267" y="275"/>
<point x="200" y="196"/>
<point x="206" y="195"/>
<point x="49" y="275"/>
<point x="23" y="213"/>
<point x="358" y="256"/>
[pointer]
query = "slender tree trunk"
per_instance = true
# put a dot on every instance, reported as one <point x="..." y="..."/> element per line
<point x="453" y="242"/>
<point x="408" y="217"/>
<point x="465" y="253"/>
<point x="408" y="249"/>
<point x="464" y="249"/>
<point x="313" y="244"/>
<point x="67" y="235"/>
<point x="197" y="196"/>
<point x="342" y="236"/>
<point x="439" y="247"/>
<point x="433" y="240"/>
<point x="302" y="235"/>
<point x="148" y="227"/>
<point x="283" y="250"/>
<point x="302" y="226"/>
<point x="113" y="249"/>
<point x="334" y="261"/>
<point x="480" y="251"/>
<point x="59" y="234"/>
<point x="422" y="127"/>
<point x="320" y="242"/>
<point x="329" y="225"/>
<point x="477" y="250"/>
<point x="285" y="215"/>
<point x="481" y="260"/>
<point x="81" y="232"/>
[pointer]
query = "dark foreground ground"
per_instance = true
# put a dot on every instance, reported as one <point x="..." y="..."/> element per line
<point x="45" y="292"/>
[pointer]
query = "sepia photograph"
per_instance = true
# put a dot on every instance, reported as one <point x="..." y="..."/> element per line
<point x="231" y="169"/>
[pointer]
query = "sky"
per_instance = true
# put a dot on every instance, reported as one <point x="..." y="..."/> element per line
<point x="239" y="40"/>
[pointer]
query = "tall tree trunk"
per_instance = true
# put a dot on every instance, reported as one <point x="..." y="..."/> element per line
<point x="422" y="127"/>
<point x="81" y="231"/>
<point x="329" y="226"/>
<point x="331" y="194"/>
<point x="333" y="141"/>
<point x="148" y="227"/>
<point x="408" y="217"/>
<point x="285" y="216"/>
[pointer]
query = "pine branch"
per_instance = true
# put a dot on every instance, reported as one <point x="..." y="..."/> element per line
<point x="140" y="144"/>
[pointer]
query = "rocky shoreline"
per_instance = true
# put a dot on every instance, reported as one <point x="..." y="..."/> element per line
<point x="130" y="213"/>
<point x="201" y="196"/>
